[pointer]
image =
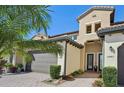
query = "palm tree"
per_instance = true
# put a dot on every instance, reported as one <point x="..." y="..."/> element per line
<point x="16" y="22"/>
<point x="34" y="16"/>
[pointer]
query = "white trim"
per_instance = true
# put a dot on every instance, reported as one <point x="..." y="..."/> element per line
<point x="98" y="58"/>
<point x="97" y="22"/>
<point x="92" y="33"/>
<point x="93" y="59"/>
<point x="88" y="23"/>
<point x="14" y="59"/>
<point x="61" y="58"/>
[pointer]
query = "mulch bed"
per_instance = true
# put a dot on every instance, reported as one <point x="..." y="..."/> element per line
<point x="58" y="81"/>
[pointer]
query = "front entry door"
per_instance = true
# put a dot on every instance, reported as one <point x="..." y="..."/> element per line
<point x="90" y="61"/>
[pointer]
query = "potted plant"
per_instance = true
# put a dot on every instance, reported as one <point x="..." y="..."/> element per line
<point x="2" y="63"/>
<point x="8" y="66"/>
<point x="13" y="69"/>
<point x="19" y="67"/>
<point x="95" y="67"/>
<point x="1" y="70"/>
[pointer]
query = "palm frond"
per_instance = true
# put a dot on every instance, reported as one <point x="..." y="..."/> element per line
<point x="16" y="22"/>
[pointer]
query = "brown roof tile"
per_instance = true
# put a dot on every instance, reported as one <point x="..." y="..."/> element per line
<point x="67" y="33"/>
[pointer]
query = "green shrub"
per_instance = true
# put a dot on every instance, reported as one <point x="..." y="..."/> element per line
<point x="100" y="75"/>
<point x="110" y="76"/>
<point x="8" y="65"/>
<point x="98" y="83"/>
<point x="55" y="71"/>
<point x="80" y="71"/>
<point x="77" y="72"/>
<point x="19" y="66"/>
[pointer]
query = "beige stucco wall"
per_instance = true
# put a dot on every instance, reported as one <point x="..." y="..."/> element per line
<point x="101" y="16"/>
<point x="19" y="59"/>
<point x="82" y="58"/>
<point x="72" y="59"/>
<point x="114" y="41"/>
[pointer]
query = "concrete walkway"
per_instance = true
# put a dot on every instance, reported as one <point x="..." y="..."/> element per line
<point x="35" y="80"/>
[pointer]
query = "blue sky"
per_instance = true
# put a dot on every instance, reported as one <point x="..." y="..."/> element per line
<point x="64" y="17"/>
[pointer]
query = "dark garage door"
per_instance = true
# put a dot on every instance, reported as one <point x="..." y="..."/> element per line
<point x="121" y="65"/>
<point x="42" y="62"/>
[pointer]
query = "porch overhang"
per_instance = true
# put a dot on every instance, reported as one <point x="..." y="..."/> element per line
<point x="112" y="29"/>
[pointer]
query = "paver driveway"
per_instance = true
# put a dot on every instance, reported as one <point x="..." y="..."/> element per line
<point x="35" y="80"/>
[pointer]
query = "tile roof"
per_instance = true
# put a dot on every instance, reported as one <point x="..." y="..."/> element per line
<point x="102" y="8"/>
<point x="112" y="29"/>
<point x="67" y="33"/>
<point x="67" y="39"/>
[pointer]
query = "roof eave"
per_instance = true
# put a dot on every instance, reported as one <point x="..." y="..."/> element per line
<point x="103" y="32"/>
<point x="95" y="8"/>
<point x="68" y="40"/>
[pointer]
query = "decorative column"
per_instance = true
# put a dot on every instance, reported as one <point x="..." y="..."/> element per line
<point x="14" y="59"/>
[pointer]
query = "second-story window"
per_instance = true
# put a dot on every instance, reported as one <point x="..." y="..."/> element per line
<point x="88" y="29"/>
<point x="97" y="26"/>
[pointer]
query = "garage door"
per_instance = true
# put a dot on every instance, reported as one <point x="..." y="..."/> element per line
<point x="42" y="62"/>
<point x="121" y="65"/>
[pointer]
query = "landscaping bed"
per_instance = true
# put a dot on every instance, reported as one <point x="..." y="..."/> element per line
<point x="56" y="79"/>
<point x="10" y="69"/>
<point x="108" y="78"/>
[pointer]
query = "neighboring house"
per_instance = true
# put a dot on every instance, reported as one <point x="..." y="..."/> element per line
<point x="98" y="43"/>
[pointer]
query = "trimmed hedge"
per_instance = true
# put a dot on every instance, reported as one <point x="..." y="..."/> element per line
<point x="110" y="76"/>
<point x="55" y="71"/>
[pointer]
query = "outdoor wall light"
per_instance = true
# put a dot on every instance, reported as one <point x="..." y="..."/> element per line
<point x="112" y="49"/>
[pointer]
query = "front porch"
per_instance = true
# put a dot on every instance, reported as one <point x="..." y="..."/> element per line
<point x="92" y="56"/>
<point x="89" y="74"/>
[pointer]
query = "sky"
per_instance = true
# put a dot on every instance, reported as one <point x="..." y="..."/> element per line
<point x="64" y="17"/>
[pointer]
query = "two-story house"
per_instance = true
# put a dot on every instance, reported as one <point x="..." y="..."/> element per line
<point x="89" y="23"/>
<point x="88" y="57"/>
<point x="98" y="43"/>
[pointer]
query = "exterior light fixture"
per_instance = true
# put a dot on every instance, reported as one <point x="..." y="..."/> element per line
<point x="111" y="49"/>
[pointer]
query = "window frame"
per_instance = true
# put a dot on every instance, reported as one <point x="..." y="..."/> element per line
<point x="87" y="32"/>
<point x="96" y="29"/>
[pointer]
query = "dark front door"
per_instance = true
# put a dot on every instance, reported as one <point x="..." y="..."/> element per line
<point x="28" y="67"/>
<point x="121" y="65"/>
<point x="90" y="61"/>
<point x="100" y="61"/>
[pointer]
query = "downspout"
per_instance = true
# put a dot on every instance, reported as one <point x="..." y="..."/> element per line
<point x="103" y="53"/>
<point x="103" y="47"/>
<point x="65" y="59"/>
